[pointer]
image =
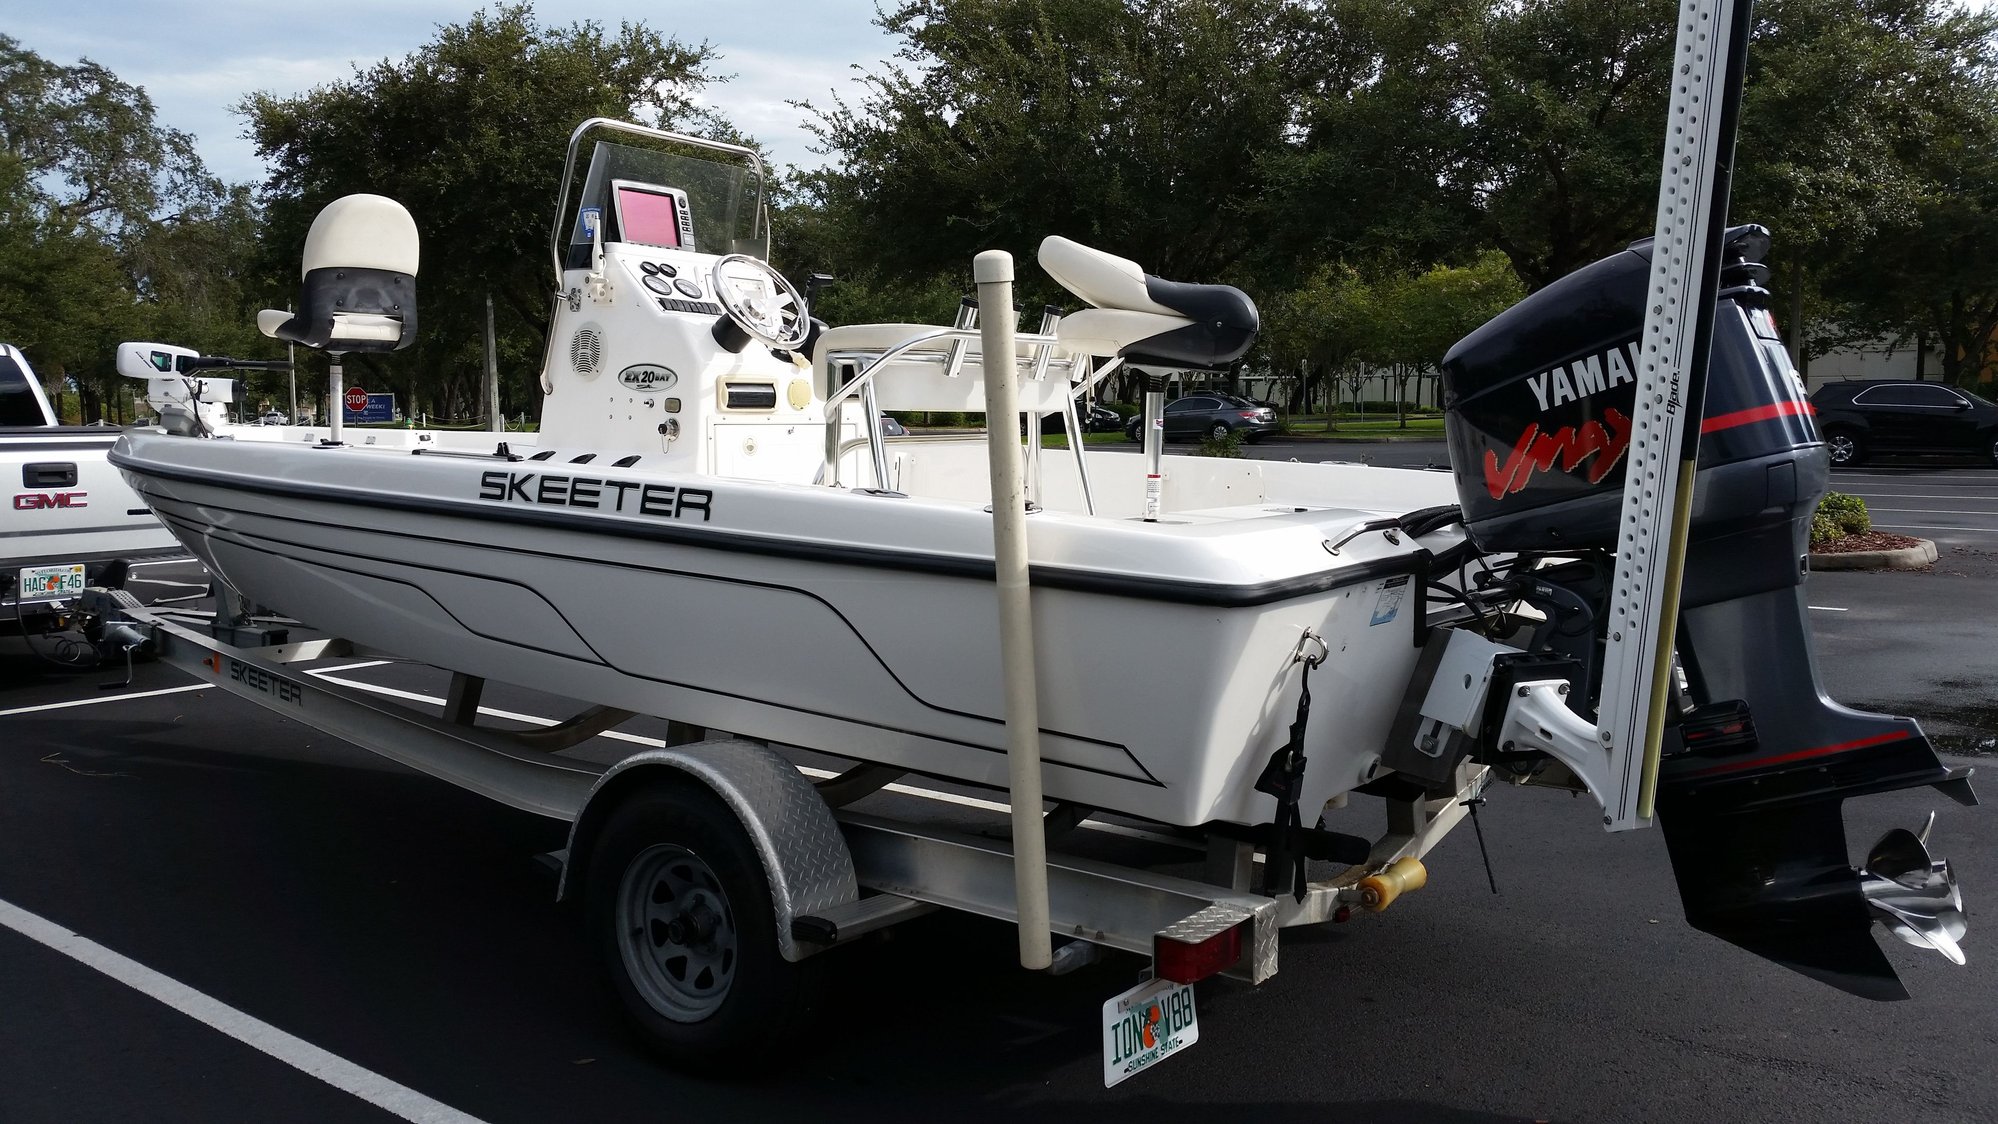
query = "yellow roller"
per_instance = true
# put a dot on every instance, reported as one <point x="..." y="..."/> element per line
<point x="1378" y="891"/>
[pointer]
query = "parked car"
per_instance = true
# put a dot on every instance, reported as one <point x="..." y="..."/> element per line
<point x="1860" y="418"/>
<point x="1210" y="415"/>
<point x="1094" y="419"/>
<point x="892" y="428"/>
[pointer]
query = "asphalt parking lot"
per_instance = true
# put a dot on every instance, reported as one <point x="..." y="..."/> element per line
<point x="1955" y="504"/>
<point x="239" y="918"/>
<point x="209" y="912"/>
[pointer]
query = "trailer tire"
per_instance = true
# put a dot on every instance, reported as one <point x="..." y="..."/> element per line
<point x="680" y="913"/>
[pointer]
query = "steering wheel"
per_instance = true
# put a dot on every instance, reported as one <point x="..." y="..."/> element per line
<point x="761" y="302"/>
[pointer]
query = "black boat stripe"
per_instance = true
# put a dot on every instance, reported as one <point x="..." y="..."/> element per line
<point x="216" y="532"/>
<point x="1172" y="590"/>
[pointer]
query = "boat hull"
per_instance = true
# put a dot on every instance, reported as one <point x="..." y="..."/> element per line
<point x="1162" y="695"/>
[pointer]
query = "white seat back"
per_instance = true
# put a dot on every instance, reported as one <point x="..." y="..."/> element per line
<point x="361" y="232"/>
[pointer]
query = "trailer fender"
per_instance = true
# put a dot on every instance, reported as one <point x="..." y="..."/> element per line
<point x="804" y="855"/>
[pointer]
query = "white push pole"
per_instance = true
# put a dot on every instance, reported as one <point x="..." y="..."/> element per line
<point x="993" y="270"/>
<point x="1706" y="77"/>
<point x="494" y="421"/>
<point x="291" y="375"/>
<point x="336" y="393"/>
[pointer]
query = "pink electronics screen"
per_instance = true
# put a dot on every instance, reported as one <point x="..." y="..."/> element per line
<point x="647" y="217"/>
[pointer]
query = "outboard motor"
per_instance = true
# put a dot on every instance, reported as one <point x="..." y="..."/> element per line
<point x="1758" y="759"/>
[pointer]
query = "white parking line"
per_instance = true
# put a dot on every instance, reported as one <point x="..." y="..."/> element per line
<point x="1930" y="527"/>
<point x="1930" y="510"/>
<point x="296" y="1052"/>
<point x="106" y="699"/>
<point x="1913" y="474"/>
<point x="1922" y="496"/>
<point x="1830" y="609"/>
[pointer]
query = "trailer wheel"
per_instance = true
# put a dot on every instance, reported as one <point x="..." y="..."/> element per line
<point x="680" y="910"/>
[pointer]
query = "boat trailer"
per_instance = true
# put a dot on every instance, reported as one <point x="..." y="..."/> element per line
<point x="835" y="872"/>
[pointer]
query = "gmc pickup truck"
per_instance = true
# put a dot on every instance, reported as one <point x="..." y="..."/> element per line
<point x="68" y="520"/>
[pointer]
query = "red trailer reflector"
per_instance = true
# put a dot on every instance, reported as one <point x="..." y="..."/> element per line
<point x="1186" y="963"/>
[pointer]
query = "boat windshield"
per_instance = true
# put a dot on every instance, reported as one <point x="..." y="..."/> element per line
<point x="634" y="187"/>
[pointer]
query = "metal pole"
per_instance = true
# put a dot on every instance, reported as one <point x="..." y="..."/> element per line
<point x="336" y="394"/>
<point x="993" y="270"/>
<point x="1154" y="427"/>
<point x="494" y="421"/>
<point x="291" y="376"/>
<point x="1660" y="471"/>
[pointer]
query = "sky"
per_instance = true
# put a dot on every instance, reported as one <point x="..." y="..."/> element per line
<point x="198" y="58"/>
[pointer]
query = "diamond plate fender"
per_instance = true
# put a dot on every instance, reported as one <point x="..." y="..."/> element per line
<point x="804" y="856"/>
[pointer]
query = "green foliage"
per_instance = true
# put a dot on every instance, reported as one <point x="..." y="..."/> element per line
<point x="1839" y="515"/>
<point x="1135" y="125"/>
<point x="466" y="133"/>
<point x="110" y="229"/>
<point x="1228" y="445"/>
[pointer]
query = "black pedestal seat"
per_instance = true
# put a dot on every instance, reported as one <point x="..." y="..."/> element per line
<point x="358" y="288"/>
<point x="1147" y="319"/>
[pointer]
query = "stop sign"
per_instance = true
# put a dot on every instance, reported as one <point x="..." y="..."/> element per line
<point x="357" y="399"/>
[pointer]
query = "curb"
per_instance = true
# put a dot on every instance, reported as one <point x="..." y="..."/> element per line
<point x="1908" y="558"/>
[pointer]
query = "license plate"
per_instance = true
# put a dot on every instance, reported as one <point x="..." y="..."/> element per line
<point x="49" y="583"/>
<point x="1145" y="1025"/>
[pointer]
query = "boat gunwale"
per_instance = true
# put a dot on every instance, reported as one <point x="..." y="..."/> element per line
<point x="1041" y="574"/>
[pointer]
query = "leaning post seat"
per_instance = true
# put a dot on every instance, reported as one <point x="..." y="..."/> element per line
<point x="358" y="291"/>
<point x="1146" y="319"/>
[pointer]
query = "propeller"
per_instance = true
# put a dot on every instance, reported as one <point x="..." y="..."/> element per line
<point x="1913" y="895"/>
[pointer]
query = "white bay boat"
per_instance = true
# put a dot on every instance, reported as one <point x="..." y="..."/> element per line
<point x="712" y="527"/>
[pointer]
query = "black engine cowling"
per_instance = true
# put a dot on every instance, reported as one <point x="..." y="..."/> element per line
<point x="1539" y="404"/>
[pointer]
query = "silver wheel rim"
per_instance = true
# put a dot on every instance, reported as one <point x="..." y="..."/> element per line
<point x="1219" y="433"/>
<point x="1841" y="448"/>
<point x="676" y="933"/>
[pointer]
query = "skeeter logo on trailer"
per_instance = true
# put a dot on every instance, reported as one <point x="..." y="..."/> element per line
<point x="662" y="500"/>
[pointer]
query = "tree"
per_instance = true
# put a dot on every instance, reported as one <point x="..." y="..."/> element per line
<point x="1134" y="125"/>
<point x="1416" y="319"/>
<point x="102" y="212"/>
<point x="1855" y="115"/>
<point x="1943" y="257"/>
<point x="466" y="133"/>
<point x="1318" y="329"/>
<point x="1365" y="175"/>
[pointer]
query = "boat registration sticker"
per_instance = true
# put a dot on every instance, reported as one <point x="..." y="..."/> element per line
<point x="48" y="583"/>
<point x="1389" y="602"/>
<point x="1144" y="1026"/>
